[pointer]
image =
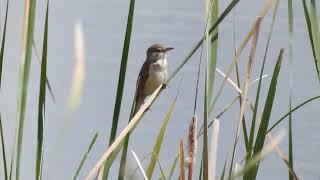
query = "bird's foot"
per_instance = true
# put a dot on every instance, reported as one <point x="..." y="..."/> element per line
<point x="164" y="86"/>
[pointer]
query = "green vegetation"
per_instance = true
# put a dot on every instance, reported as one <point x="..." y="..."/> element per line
<point x="256" y="128"/>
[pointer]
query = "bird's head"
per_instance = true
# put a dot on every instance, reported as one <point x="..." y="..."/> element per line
<point x="157" y="51"/>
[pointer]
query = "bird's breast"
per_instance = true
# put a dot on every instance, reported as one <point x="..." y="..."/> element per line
<point x="157" y="75"/>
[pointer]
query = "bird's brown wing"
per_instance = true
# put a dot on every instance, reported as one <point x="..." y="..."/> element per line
<point x="142" y="78"/>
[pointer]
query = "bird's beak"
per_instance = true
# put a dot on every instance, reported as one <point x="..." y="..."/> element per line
<point x="169" y="48"/>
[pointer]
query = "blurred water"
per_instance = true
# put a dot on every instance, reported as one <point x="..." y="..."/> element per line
<point x="176" y="23"/>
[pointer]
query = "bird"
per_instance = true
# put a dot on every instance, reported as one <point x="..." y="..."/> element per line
<point x="153" y="73"/>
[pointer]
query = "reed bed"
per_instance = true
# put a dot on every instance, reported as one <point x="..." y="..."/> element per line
<point x="256" y="129"/>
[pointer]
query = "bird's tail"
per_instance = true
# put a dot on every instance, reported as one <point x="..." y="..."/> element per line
<point x="139" y="102"/>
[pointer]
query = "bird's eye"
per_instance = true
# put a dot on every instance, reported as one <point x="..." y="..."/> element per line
<point x="158" y="50"/>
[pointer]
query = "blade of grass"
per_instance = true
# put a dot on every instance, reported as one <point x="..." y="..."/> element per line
<point x="293" y="109"/>
<point x="47" y="79"/>
<point x="172" y="167"/>
<point x="160" y="138"/>
<point x="42" y="98"/>
<point x="224" y="169"/>
<point x="213" y="48"/>
<point x="139" y="164"/>
<point x="163" y="176"/>
<point x="3" y="41"/>
<point x="121" y="81"/>
<point x="290" y="141"/>
<point x="315" y="29"/>
<point x="30" y="8"/>
<point x="205" y="132"/>
<point x="309" y="26"/>
<point x="4" y="159"/>
<point x="262" y="132"/>
<point x="84" y="158"/>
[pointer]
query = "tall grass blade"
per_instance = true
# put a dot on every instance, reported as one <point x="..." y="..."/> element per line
<point x="262" y="132"/>
<point x="160" y="138"/>
<point x="213" y="48"/>
<point x="253" y="125"/>
<point x="290" y="141"/>
<point x="30" y="8"/>
<point x="47" y="79"/>
<point x="310" y="29"/>
<point x="3" y="41"/>
<point x="84" y="158"/>
<point x="121" y="81"/>
<point x="315" y="29"/>
<point x="172" y="167"/>
<point x="205" y="153"/>
<point x="122" y="72"/>
<point x="4" y="159"/>
<point x="42" y="99"/>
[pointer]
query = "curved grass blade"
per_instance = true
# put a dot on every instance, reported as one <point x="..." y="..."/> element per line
<point x="42" y="99"/>
<point x="293" y="109"/>
<point x="135" y="170"/>
<point x="84" y="158"/>
<point x="3" y="41"/>
<point x="4" y="159"/>
<point x="139" y="164"/>
<point x="160" y="138"/>
<point x="262" y="132"/>
<point x="30" y="9"/>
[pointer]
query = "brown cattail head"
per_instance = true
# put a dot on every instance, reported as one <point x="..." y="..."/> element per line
<point x="192" y="146"/>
